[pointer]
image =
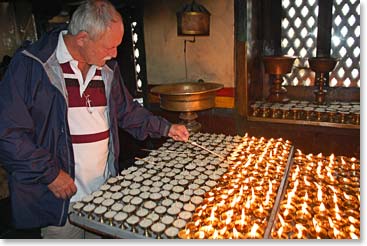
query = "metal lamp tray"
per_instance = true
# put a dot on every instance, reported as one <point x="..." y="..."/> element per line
<point x="180" y="172"/>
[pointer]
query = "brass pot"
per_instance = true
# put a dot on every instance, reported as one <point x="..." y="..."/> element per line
<point x="187" y="96"/>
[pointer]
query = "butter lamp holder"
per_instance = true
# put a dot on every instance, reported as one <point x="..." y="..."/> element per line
<point x="321" y="66"/>
<point x="278" y="66"/>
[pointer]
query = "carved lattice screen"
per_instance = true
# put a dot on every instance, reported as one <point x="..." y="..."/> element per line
<point x="299" y="38"/>
<point x="345" y="43"/>
<point x="135" y="39"/>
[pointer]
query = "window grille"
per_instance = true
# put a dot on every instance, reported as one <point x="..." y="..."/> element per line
<point x="299" y="32"/>
<point x="135" y="38"/>
<point x="345" y="43"/>
<point x="299" y="38"/>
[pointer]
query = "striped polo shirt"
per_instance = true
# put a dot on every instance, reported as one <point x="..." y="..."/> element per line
<point x="87" y="118"/>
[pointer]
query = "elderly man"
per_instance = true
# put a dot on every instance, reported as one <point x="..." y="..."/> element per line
<point x="62" y="100"/>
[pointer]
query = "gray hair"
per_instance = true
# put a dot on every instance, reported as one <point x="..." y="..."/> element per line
<point x="93" y="17"/>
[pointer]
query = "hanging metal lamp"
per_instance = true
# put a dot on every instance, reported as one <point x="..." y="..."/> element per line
<point x="193" y="20"/>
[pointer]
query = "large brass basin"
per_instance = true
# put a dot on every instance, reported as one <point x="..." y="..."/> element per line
<point x="187" y="96"/>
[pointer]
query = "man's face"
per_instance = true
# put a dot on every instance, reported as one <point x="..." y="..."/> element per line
<point x="98" y="51"/>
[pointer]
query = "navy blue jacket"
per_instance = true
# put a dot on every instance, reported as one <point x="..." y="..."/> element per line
<point x="35" y="141"/>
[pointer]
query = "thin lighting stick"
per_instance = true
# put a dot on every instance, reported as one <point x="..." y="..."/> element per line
<point x="200" y="146"/>
<point x="163" y="151"/>
<point x="150" y="162"/>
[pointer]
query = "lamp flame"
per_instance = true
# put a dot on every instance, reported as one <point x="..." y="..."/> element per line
<point x="331" y="223"/>
<point x="309" y="157"/>
<point x="280" y="232"/>
<point x="248" y="203"/>
<point x="335" y="199"/>
<point x="235" y="233"/>
<point x="253" y="197"/>
<point x="306" y="182"/>
<point x="352" y="220"/>
<point x="201" y="235"/>
<point x="336" y="232"/>
<point x="243" y="216"/>
<point x="223" y="230"/>
<point x="212" y="215"/>
<point x="352" y="228"/>
<point x="254" y="229"/>
<point x="267" y="199"/>
<point x="322" y="207"/>
<point x="304" y="207"/>
<point x="353" y="236"/>
<point x="215" y="234"/>
<point x="300" y="229"/>
<point x="337" y="216"/>
<point x="229" y="214"/>
<point x="348" y="197"/>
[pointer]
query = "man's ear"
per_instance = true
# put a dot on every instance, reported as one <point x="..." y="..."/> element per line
<point x="81" y="38"/>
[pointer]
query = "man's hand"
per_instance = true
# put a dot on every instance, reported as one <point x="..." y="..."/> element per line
<point x="63" y="186"/>
<point x="179" y="132"/>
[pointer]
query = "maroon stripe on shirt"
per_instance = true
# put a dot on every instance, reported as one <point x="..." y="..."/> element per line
<point x="95" y="90"/>
<point x="98" y="72"/>
<point x="90" y="138"/>
<point x="92" y="83"/>
<point x="71" y="82"/>
<point x="66" y="68"/>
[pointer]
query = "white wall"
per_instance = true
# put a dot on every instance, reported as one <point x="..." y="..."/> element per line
<point x="210" y="58"/>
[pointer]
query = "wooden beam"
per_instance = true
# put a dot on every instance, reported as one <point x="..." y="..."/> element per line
<point x="324" y="25"/>
<point x="241" y="94"/>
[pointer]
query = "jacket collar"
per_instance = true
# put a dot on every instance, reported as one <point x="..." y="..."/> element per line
<point x="46" y="45"/>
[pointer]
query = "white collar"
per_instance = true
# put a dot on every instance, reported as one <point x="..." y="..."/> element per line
<point x="62" y="53"/>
